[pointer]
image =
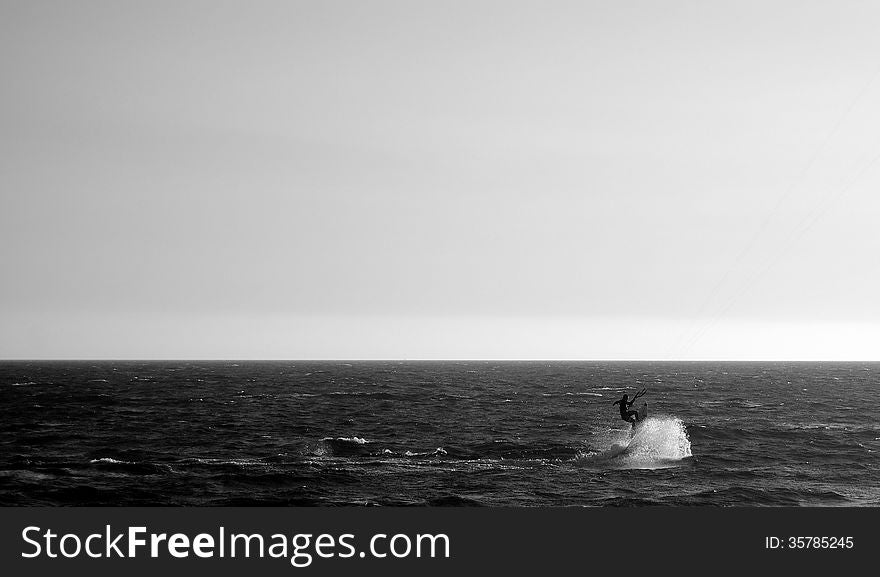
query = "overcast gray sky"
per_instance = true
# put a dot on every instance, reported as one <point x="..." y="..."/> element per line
<point x="363" y="179"/>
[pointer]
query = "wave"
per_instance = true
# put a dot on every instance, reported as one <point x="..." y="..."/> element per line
<point x="226" y="462"/>
<point x="338" y="447"/>
<point x="129" y="467"/>
<point x="26" y="476"/>
<point x="111" y="461"/>
<point x="439" y="451"/>
<point x="356" y="440"/>
<point x="739" y="495"/>
<point x="377" y="394"/>
<point x="453" y="500"/>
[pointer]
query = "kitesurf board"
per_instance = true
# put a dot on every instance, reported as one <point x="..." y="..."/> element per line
<point x="643" y="414"/>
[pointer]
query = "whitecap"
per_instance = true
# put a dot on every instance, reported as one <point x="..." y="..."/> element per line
<point x="358" y="440"/>
<point x="436" y="452"/>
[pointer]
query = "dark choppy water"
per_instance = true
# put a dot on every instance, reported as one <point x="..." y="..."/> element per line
<point x="445" y="433"/>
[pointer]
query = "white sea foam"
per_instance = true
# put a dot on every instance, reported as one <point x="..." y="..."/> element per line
<point x="236" y="462"/>
<point x="358" y="440"/>
<point x="437" y="451"/>
<point x="656" y="443"/>
<point x="111" y="461"/>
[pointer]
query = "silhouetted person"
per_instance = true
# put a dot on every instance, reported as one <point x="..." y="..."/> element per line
<point x="625" y="413"/>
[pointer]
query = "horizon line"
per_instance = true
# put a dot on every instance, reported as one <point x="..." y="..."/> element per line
<point x="472" y="359"/>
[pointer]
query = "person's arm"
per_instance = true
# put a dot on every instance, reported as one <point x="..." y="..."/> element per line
<point x="617" y="402"/>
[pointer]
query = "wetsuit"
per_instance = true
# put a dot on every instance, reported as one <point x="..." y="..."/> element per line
<point x="627" y="415"/>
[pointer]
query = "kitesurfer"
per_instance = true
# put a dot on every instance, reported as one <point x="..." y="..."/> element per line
<point x="625" y="404"/>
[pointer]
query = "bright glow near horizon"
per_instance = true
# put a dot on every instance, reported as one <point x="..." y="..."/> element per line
<point x="560" y="180"/>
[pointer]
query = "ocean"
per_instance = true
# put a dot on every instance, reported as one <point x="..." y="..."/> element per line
<point x="437" y="433"/>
